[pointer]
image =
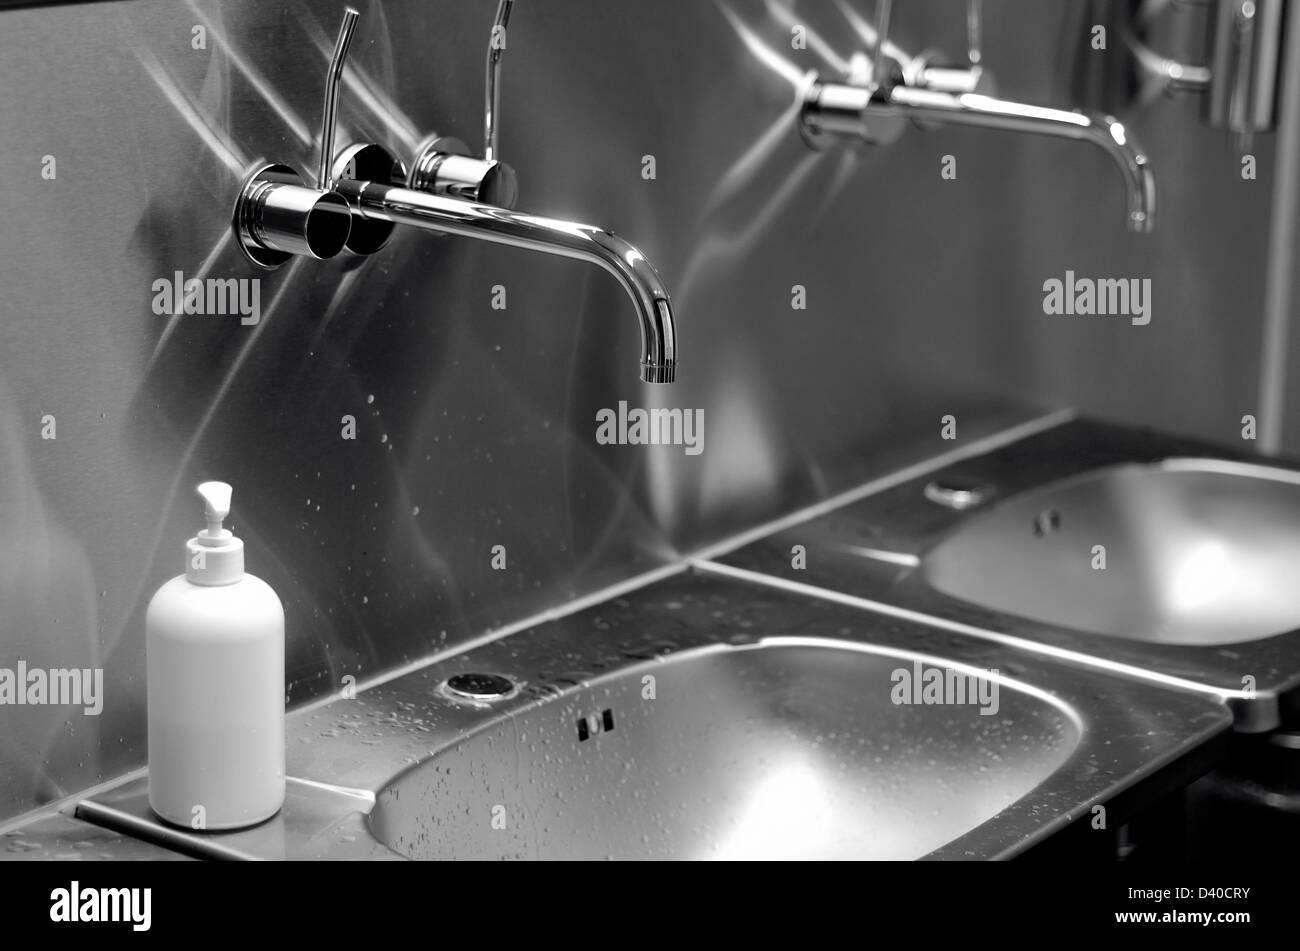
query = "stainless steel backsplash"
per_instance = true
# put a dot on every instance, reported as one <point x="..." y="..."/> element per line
<point x="476" y="425"/>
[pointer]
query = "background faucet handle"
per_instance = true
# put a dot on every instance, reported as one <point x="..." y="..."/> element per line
<point x="925" y="73"/>
<point x="880" y="69"/>
<point x="444" y="166"/>
<point x="974" y="33"/>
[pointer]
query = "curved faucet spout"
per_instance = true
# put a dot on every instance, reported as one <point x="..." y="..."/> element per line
<point x="836" y="110"/>
<point x="1101" y="130"/>
<point x="456" y="216"/>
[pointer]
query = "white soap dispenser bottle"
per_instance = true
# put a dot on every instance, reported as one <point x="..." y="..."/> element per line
<point x="214" y="638"/>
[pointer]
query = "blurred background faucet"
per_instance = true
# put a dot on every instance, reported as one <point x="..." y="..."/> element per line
<point x="884" y="92"/>
<point x="1238" y="81"/>
<point x="450" y="191"/>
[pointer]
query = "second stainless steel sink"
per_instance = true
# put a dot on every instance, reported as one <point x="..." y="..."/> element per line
<point x="1184" y="551"/>
<point x="1117" y="548"/>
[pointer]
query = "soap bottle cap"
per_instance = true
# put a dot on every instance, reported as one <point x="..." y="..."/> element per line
<point x="214" y="556"/>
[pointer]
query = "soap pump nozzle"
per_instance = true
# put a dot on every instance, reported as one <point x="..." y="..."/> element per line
<point x="216" y="506"/>
<point x="214" y="556"/>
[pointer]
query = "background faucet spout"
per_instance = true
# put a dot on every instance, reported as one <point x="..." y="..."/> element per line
<point x="1104" y="131"/>
<point x="875" y="115"/>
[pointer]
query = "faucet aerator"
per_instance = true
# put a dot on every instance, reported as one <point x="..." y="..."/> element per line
<point x="652" y="373"/>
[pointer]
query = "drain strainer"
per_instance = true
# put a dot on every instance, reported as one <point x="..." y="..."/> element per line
<point x="481" y="688"/>
<point x="957" y="493"/>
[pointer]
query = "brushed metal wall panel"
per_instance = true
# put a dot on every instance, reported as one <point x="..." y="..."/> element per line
<point x="476" y="426"/>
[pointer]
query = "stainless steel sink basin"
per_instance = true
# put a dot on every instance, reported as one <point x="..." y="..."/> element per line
<point x="702" y="717"/>
<point x="779" y="751"/>
<point x="1196" y="552"/>
<point x="1201" y="585"/>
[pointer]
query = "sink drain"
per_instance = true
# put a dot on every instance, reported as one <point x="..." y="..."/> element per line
<point x="481" y="688"/>
<point x="957" y="493"/>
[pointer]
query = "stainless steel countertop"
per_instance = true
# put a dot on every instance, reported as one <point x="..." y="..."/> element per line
<point x="1138" y="739"/>
<point x="55" y="837"/>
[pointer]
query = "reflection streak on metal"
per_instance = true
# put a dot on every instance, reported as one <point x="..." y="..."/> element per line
<point x="815" y="41"/>
<point x="769" y="57"/>
<point x="902" y="558"/>
<point x="183" y="463"/>
<point x="744" y="170"/>
<point x="715" y="248"/>
<point x="173" y="320"/>
<point x="254" y="78"/>
<point x="213" y="137"/>
<point x="335" y="305"/>
<point x="845" y="169"/>
<point x="867" y="33"/>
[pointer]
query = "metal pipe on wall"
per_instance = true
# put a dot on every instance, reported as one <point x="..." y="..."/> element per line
<point x="1280" y="273"/>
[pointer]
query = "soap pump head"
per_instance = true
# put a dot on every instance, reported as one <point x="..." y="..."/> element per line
<point x="214" y="556"/>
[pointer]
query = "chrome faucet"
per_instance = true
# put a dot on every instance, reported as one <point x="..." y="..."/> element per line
<point x="375" y="202"/>
<point x="875" y="105"/>
<point x="448" y="191"/>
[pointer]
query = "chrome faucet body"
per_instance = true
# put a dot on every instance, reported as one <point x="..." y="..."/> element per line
<point x="449" y="191"/>
<point x="374" y="201"/>
<point x="834" y="110"/>
<point x="366" y="192"/>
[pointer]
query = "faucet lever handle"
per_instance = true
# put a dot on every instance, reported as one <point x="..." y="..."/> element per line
<point x="329" y="115"/>
<point x="278" y="213"/>
<point x="444" y="166"/>
<point x="925" y="73"/>
<point x="492" y="82"/>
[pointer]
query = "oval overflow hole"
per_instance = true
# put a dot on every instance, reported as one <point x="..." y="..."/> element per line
<point x="479" y="687"/>
<point x="594" y="724"/>
<point x="1046" y="522"/>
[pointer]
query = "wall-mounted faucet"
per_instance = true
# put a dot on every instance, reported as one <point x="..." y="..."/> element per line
<point x="877" y="101"/>
<point x="277" y="215"/>
<point x="1239" y="81"/>
<point x="449" y="191"/>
